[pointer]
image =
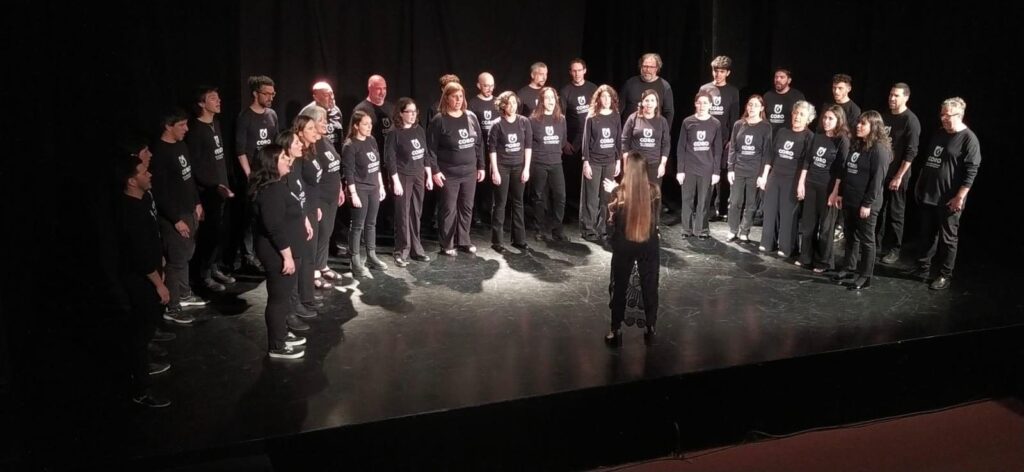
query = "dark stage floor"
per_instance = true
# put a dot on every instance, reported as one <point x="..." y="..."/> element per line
<point x="481" y="331"/>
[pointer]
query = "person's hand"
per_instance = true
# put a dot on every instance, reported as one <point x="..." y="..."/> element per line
<point x="396" y="187"/>
<point x="341" y="197"/>
<point x="225" y="192"/>
<point x="182" y="228"/>
<point x="661" y="170"/>
<point x="319" y="215"/>
<point x="835" y="201"/>
<point x="956" y="204"/>
<point x="865" y="212"/>
<point x="439" y="179"/>
<point x="715" y="178"/>
<point x="800" y="192"/>
<point x="761" y="181"/>
<point x="680" y="177"/>
<point x="199" y="212"/>
<point x="309" y="230"/>
<point x="731" y="176"/>
<point x="588" y="173"/>
<point x="382" y="193"/>
<point x="495" y="177"/>
<point x="480" y="175"/>
<point x="430" y="183"/>
<point x="356" y="203"/>
<point x="165" y="295"/>
<point x="618" y="168"/>
<point x="894" y="184"/>
<point x="526" y="175"/>
<point x="288" y="266"/>
<point x="609" y="185"/>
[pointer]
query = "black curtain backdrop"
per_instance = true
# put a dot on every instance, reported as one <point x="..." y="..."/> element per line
<point x="86" y="74"/>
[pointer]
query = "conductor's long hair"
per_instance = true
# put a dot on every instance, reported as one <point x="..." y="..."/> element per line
<point x="635" y="198"/>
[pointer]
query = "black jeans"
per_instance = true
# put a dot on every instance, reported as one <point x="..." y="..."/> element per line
<point x="212" y="233"/>
<point x="324" y="232"/>
<point x="860" y="241"/>
<point x="144" y="315"/>
<point x="280" y="288"/>
<point x="780" y="211"/>
<point x="694" y="210"/>
<point x="817" y="224"/>
<point x="511" y="182"/>
<point x="742" y="203"/>
<point x="178" y="251"/>
<point x="594" y="200"/>
<point x="363" y="227"/>
<point x="646" y="256"/>
<point x="408" y="208"/>
<point x="939" y="228"/>
<point x="548" y="183"/>
<point x="893" y="215"/>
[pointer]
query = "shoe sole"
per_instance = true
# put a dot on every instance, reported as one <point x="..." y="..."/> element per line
<point x="175" y="320"/>
<point x="296" y="355"/>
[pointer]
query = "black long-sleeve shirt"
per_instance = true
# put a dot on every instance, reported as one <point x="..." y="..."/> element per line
<point x="529" y="99"/>
<point x="485" y="113"/>
<point x="952" y="163"/>
<point x="602" y="139"/>
<point x="779" y="107"/>
<point x="511" y="140"/>
<point x="825" y="162"/>
<point x="576" y="105"/>
<point x="142" y="251"/>
<point x="905" y="131"/>
<point x="749" y="148"/>
<point x="206" y="149"/>
<point x="405" y="150"/>
<point x="634" y="88"/>
<point x="789" y="150"/>
<point x="174" y="189"/>
<point x="548" y="138"/>
<point x="310" y="172"/>
<point x="864" y="176"/>
<point x="254" y="130"/>
<point x="279" y="213"/>
<point x="456" y="145"/>
<point x="699" y="151"/>
<point x="330" y="161"/>
<point x="360" y="162"/>
<point x="651" y="138"/>
<point x="725" y="107"/>
<point x="381" y="116"/>
<point x="618" y="216"/>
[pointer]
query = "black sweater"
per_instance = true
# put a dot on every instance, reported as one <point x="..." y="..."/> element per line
<point x="330" y="163"/>
<point x="404" y="150"/>
<point x="699" y="151"/>
<point x="825" y="162"/>
<point x="952" y="163"/>
<point x="789" y="150"/>
<point x="142" y="251"/>
<point x="174" y="189"/>
<point x="360" y="162"/>
<point x="206" y="149"/>
<point x="905" y="131"/>
<point x="456" y="144"/>
<point x="511" y="140"/>
<point x="602" y="139"/>
<point x="651" y="138"/>
<point x="548" y="138"/>
<point x="749" y="148"/>
<point x="279" y="215"/>
<point x="864" y="176"/>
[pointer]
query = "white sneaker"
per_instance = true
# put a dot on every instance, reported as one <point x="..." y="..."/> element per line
<point x="288" y="352"/>
<point x="193" y="300"/>
<point x="293" y="340"/>
<point x="730" y="236"/>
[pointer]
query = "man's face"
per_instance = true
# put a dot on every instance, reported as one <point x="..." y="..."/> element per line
<point x="577" y="72"/>
<point x="951" y="118"/>
<point x="782" y="81"/>
<point x="897" y="99"/>
<point x="178" y="130"/>
<point x="486" y="86"/>
<point x="211" y="103"/>
<point x="143" y="179"/>
<point x="649" y="69"/>
<point x="702" y="106"/>
<point x="265" y="96"/>
<point x="539" y="76"/>
<point x="841" y="92"/>
<point x="720" y="75"/>
<point x="324" y="97"/>
<point x="378" y="90"/>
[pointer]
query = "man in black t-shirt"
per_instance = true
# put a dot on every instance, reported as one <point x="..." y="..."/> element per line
<point x="779" y="101"/>
<point x="904" y="129"/>
<point x="576" y="97"/>
<point x="842" y="85"/>
<point x="482" y="105"/>
<point x="256" y="127"/>
<point x="530" y="93"/>
<point x="725" y="106"/>
<point x="632" y="91"/>
<point x="376" y="105"/>
<point x="323" y="96"/>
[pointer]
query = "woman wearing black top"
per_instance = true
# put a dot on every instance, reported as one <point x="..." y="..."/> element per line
<point x="548" y="184"/>
<point x="789" y="150"/>
<point x="749" y="146"/>
<point x="860" y="197"/>
<point x="309" y="173"/>
<point x="281" y="226"/>
<point x="647" y="132"/>
<point x="360" y="161"/>
<point x="328" y="160"/>
<point x="601" y="150"/>
<point x="817" y="180"/>
<point x="455" y="140"/>
<point x="404" y="150"/>
<point x="510" y="150"/>
<point x="632" y="220"/>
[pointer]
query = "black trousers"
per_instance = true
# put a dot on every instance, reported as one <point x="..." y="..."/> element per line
<point x="939" y="228"/>
<point x="363" y="226"/>
<point x="511" y="183"/>
<point x="646" y="256"/>
<point x="594" y="200"/>
<point x="742" y="203"/>
<point x="694" y="210"/>
<point x="483" y="199"/>
<point x="548" y="185"/>
<point x="780" y="209"/>
<point x="144" y="315"/>
<point x="408" y="209"/>
<point x="720" y="194"/>
<point x="279" y="292"/>
<point x="304" y="266"/>
<point x="456" y="211"/>
<point x="893" y="215"/>
<point x="240" y="225"/>
<point x="178" y="250"/>
<point x="212" y="234"/>
<point x="860" y="241"/>
<point x="817" y="224"/>
<point x="324" y="233"/>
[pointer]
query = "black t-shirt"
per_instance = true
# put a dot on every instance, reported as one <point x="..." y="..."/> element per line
<point x="779" y="107"/>
<point x="634" y="88"/>
<point x="864" y="175"/>
<point x="206" y="149"/>
<point x="405" y="150"/>
<point x="456" y="145"/>
<point x="850" y="109"/>
<point x="310" y="172"/>
<point x="725" y="106"/>
<point x="826" y="159"/>
<point x="511" y="140"/>
<point x="335" y="124"/>
<point x="699" y="151"/>
<point x="381" y="116"/>
<point x="485" y="113"/>
<point x="329" y="160"/>
<point x="360" y="162"/>
<point x="529" y="99"/>
<point x="749" y="148"/>
<point x="254" y="130"/>
<point x="789" y="150"/>
<point x="174" y="189"/>
<point x="548" y="138"/>
<point x="576" y="105"/>
<point x="651" y="138"/>
<point x="952" y="162"/>
<point x="602" y="139"/>
<point x="905" y="131"/>
<point x="279" y="214"/>
<point x="139" y="236"/>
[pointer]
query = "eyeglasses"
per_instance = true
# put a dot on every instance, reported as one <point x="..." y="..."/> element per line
<point x="269" y="94"/>
<point x="949" y="115"/>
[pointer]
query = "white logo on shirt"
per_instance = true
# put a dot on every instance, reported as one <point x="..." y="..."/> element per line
<point x="463" y="133"/>
<point x="216" y="141"/>
<point x="937" y="151"/>
<point x="854" y="157"/>
<point x="888" y="130"/>
<point x="487" y="114"/>
<point x="788" y="145"/>
<point x="716" y="101"/>
<point x="512" y="138"/>
<point x="372" y="156"/>
<point x="330" y="156"/>
<point x="821" y="152"/>
<point x="778" y="108"/>
<point x="701" y="135"/>
<point x="182" y="161"/>
<point x="648" y="132"/>
<point x="606" y="133"/>
<point x="748" y="139"/>
<point x="549" y="130"/>
<point x="385" y="122"/>
<point x="581" y="100"/>
<point x="263" y="133"/>
<point x="416" y="144"/>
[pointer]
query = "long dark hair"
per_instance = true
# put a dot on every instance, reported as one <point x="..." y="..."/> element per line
<point x="266" y="172"/>
<point x="635" y="197"/>
<point x="538" y="112"/>
<point x="877" y="134"/>
<point x="842" y="128"/>
<point x="353" y="124"/>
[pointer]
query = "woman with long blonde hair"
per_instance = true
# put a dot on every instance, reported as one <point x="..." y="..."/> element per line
<point x="632" y="223"/>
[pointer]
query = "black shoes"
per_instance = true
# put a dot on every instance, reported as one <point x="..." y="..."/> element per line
<point x="613" y="338"/>
<point x="521" y="246"/>
<point x="147" y="399"/>
<point x="421" y="258"/>
<point x="940" y="283"/>
<point x="287" y="352"/>
<point x="155" y="368"/>
<point x="842" y="275"/>
<point x="295" y="324"/>
<point x="861" y="283"/>
<point x="498" y="248"/>
<point x="891" y="257"/>
<point x="305" y="311"/>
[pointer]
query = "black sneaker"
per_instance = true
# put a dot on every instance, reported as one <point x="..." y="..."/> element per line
<point x="147" y="399"/>
<point x="155" y="350"/>
<point x="293" y="340"/>
<point x="192" y="300"/>
<point x="175" y="314"/>
<point x="421" y="258"/>
<point x="163" y="336"/>
<point x="891" y="257"/>
<point x="940" y="283"/>
<point x="213" y="285"/>
<point x="287" y="352"/>
<point x="304" y="311"/>
<point x="295" y="324"/>
<point x="222" y="277"/>
<point x="158" y="368"/>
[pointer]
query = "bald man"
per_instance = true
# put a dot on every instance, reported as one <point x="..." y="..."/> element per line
<point x="323" y="96"/>
<point x="376" y="106"/>
<point x="482" y="105"/>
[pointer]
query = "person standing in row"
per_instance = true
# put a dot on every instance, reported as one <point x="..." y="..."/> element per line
<point x="817" y="180"/>
<point x="632" y="221"/>
<point x="328" y="160"/>
<point x="380" y="112"/>
<point x="790" y="148"/>
<point x="725" y="107"/>
<point x="405" y="155"/>
<point x="307" y="171"/>
<point x="842" y="85"/>
<point x="904" y="130"/>
<point x="482" y="105"/>
<point x="323" y="97"/>
<point x="546" y="172"/>
<point x="781" y="99"/>
<point x="529" y="95"/>
<point x="206" y="149"/>
<point x="509" y="150"/>
<point x="699" y="157"/>
<point x="576" y="97"/>
<point x="635" y="89"/>
<point x="601" y="150"/>
<point x="749" y="148"/>
<point x="360" y="161"/>
<point x="454" y="141"/>
<point x="281" y="225"/>
<point x="257" y="126"/>
<point x="941" y="190"/>
<point x="860" y="197"/>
